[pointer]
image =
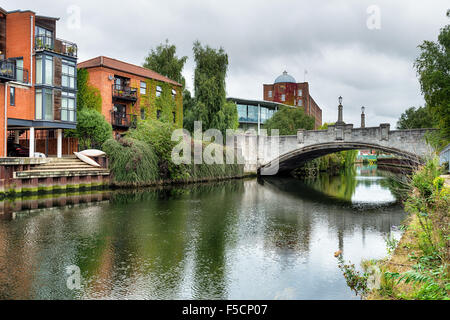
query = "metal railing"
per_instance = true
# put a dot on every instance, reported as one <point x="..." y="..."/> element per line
<point x="8" y="70"/>
<point x="43" y="42"/>
<point x="123" y="92"/>
<point x="124" y="120"/>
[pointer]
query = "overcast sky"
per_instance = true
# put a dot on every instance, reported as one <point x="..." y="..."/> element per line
<point x="330" y="39"/>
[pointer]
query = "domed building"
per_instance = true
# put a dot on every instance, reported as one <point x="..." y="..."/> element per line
<point x="286" y="90"/>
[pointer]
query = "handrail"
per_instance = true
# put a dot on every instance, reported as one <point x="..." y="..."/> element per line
<point x="124" y="92"/>
<point x="44" y="42"/>
<point x="120" y="119"/>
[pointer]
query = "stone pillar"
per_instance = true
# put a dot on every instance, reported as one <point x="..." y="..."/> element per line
<point x="32" y="142"/>
<point x="59" y="143"/>
<point x="340" y="114"/>
<point x="363" y="120"/>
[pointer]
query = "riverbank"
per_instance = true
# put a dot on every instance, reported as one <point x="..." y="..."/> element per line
<point x="419" y="266"/>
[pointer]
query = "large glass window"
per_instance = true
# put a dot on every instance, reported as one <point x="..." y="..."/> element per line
<point x="44" y="38"/>
<point x="68" y="74"/>
<point x="68" y="106"/>
<point x="252" y="114"/>
<point x="19" y="70"/>
<point x="38" y="104"/>
<point x="242" y="112"/>
<point x="44" y="104"/>
<point x="48" y="70"/>
<point x="39" y="69"/>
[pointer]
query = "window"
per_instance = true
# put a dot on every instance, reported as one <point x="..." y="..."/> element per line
<point x="252" y="114"/>
<point x="158" y="91"/>
<point x="283" y="97"/>
<point x="68" y="74"/>
<point x="300" y="102"/>
<point x="12" y="96"/>
<point x="44" y="38"/>
<point x="142" y="113"/>
<point x="19" y="70"/>
<point x="174" y="117"/>
<point x="68" y="106"/>
<point x="158" y="114"/>
<point x="48" y="70"/>
<point x="44" y="104"/>
<point x="242" y="112"/>
<point x="174" y="93"/>
<point x="270" y="94"/>
<point x="39" y="72"/>
<point x="143" y="87"/>
<point x="300" y="92"/>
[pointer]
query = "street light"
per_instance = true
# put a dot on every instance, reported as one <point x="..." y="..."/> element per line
<point x="340" y="100"/>
<point x="363" y="109"/>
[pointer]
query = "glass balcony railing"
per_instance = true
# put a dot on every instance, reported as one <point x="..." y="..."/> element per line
<point x="44" y="42"/>
<point x="9" y="72"/>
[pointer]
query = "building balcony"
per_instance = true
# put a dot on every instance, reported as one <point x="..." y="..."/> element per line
<point x="9" y="72"/>
<point x="123" y="120"/>
<point x="124" y="93"/>
<point x="43" y="42"/>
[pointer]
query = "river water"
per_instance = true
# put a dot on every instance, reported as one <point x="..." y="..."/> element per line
<point x="242" y="239"/>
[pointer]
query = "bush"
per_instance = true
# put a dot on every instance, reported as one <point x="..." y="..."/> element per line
<point x="92" y="129"/>
<point x="131" y="161"/>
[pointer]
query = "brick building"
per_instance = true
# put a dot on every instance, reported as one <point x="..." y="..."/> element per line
<point x="130" y="92"/>
<point x="286" y="90"/>
<point x="37" y="84"/>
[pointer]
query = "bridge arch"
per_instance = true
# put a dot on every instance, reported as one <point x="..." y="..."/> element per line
<point x="293" y="159"/>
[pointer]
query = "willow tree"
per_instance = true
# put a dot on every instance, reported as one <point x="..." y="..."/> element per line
<point x="211" y="106"/>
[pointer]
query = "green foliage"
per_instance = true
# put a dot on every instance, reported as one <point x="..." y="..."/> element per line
<point x="164" y="60"/>
<point x="88" y="96"/>
<point x="433" y="69"/>
<point x="188" y="111"/>
<point x="92" y="129"/>
<point x="210" y="104"/>
<point x="356" y="280"/>
<point x="414" y="118"/>
<point x="131" y="161"/>
<point x="166" y="104"/>
<point x="158" y="134"/>
<point x="289" y="120"/>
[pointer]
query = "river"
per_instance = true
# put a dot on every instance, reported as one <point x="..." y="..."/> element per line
<point x="268" y="238"/>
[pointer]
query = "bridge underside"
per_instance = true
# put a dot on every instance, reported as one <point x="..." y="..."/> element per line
<point x="294" y="159"/>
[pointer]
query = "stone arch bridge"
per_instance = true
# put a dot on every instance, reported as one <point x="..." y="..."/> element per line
<point x="270" y="155"/>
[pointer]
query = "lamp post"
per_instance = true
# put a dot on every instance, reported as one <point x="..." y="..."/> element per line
<point x="340" y="112"/>
<point x="363" y="117"/>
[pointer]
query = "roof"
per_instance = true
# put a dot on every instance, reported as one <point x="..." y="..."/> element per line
<point x="285" y="78"/>
<point x="262" y="103"/>
<point x="22" y="11"/>
<point x="102" y="61"/>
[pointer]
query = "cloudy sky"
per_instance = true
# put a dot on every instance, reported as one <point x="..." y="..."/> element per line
<point x="362" y="50"/>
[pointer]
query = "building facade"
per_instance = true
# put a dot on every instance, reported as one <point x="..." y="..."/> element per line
<point x="130" y="92"/>
<point x="37" y="84"/>
<point x="287" y="91"/>
<point x="253" y="114"/>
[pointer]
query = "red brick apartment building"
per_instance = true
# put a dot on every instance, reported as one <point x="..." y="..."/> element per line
<point x="130" y="92"/>
<point x="37" y="84"/>
<point x="286" y="90"/>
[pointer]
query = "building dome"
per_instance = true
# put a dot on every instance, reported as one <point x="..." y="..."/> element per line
<point x="285" y="78"/>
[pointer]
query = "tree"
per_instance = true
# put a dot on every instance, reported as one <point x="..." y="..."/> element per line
<point x="92" y="129"/>
<point x="433" y="69"/>
<point x="289" y="120"/>
<point x="88" y="96"/>
<point x="414" y="118"/>
<point x="210" y="104"/>
<point x="164" y="60"/>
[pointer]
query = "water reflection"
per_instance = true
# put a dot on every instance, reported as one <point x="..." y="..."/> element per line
<point x="242" y="239"/>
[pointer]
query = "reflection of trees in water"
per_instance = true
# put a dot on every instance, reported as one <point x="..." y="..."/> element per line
<point x="340" y="186"/>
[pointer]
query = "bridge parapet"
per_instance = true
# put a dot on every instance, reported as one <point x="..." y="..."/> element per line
<point x="261" y="150"/>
